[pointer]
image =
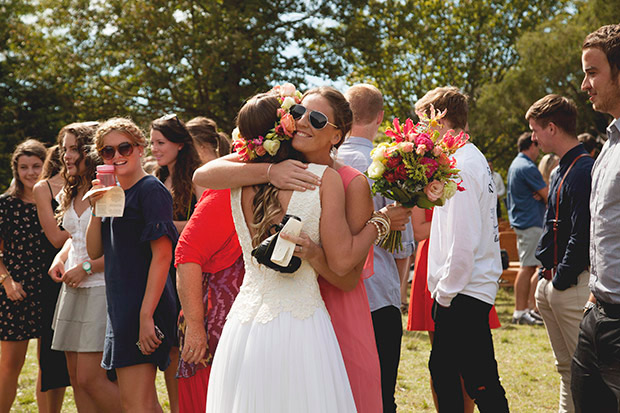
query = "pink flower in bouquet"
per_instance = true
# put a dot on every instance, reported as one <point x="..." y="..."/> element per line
<point x="395" y="133"/>
<point x="431" y="166"/>
<point x="409" y="130"/>
<point x="288" y="124"/>
<point x="424" y="139"/>
<point x="451" y="142"/>
<point x="407" y="147"/>
<point x="434" y="190"/>
<point x="421" y="150"/>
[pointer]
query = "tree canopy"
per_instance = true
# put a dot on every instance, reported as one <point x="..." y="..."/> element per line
<point x="73" y="60"/>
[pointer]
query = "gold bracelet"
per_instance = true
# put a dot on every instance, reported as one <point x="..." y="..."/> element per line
<point x="3" y="277"/>
<point x="382" y="225"/>
<point x="384" y="216"/>
<point x="383" y="220"/>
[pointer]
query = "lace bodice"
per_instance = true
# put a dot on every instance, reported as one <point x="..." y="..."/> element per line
<point x="265" y="293"/>
<point x="76" y="226"/>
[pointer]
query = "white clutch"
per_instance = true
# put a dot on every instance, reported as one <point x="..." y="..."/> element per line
<point x="284" y="249"/>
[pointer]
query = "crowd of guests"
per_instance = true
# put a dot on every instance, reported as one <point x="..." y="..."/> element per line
<point x="179" y="275"/>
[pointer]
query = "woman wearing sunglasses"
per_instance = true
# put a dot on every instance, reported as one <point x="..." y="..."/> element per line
<point x="79" y="320"/>
<point x="321" y="122"/>
<point x="138" y="252"/>
<point x="278" y="351"/>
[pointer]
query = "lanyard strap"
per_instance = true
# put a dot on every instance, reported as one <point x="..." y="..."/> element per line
<point x="557" y="212"/>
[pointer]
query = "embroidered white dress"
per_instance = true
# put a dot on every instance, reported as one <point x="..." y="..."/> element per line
<point x="278" y="351"/>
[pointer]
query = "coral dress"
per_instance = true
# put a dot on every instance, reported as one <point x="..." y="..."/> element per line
<point x="420" y="303"/>
<point x="350" y="314"/>
<point x="278" y="351"/>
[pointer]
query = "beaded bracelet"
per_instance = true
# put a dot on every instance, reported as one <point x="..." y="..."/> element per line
<point x="382" y="223"/>
<point x="376" y="224"/>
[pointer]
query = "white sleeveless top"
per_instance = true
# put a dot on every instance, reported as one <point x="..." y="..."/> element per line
<point x="76" y="226"/>
<point x="265" y="293"/>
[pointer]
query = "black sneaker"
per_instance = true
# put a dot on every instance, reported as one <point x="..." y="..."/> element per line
<point x="535" y="314"/>
<point x="526" y="318"/>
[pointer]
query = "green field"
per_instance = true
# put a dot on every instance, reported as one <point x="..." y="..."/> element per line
<point x="523" y="353"/>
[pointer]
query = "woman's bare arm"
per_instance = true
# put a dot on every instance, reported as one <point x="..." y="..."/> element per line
<point x="94" y="244"/>
<point x="230" y="172"/>
<point x="161" y="249"/>
<point x="43" y="200"/>
<point x="421" y="227"/>
<point x="189" y="286"/>
<point x="342" y="250"/>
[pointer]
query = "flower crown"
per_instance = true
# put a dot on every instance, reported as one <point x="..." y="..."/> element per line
<point x="250" y="149"/>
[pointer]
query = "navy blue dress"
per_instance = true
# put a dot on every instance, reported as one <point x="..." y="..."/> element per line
<point x="127" y="251"/>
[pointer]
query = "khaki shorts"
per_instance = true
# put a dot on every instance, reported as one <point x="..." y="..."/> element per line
<point x="527" y="241"/>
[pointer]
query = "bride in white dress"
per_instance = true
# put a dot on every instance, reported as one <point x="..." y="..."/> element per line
<point x="278" y="351"/>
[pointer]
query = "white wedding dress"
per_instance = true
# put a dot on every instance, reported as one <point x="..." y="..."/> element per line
<point x="278" y="351"/>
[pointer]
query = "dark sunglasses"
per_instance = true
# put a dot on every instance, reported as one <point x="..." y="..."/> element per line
<point x="124" y="149"/>
<point x="318" y="120"/>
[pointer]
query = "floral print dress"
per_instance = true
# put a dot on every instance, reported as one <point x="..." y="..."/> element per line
<point x="26" y="255"/>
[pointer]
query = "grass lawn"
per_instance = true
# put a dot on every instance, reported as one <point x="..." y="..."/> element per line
<point x="524" y="357"/>
<point x="523" y="353"/>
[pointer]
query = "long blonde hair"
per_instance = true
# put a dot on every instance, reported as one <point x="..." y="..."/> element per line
<point x="547" y="164"/>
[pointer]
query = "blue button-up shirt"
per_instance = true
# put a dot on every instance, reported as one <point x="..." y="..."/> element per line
<point x="605" y="225"/>
<point x="573" y="237"/>
<point x="524" y="179"/>
<point x="383" y="288"/>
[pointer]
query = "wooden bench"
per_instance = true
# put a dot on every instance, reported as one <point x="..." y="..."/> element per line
<point x="508" y="242"/>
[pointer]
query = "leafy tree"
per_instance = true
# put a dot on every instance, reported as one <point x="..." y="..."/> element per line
<point x="145" y="58"/>
<point x="409" y="47"/>
<point x="550" y="62"/>
<point x="30" y="106"/>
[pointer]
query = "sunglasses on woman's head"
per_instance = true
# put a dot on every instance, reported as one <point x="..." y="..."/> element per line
<point x="171" y="116"/>
<point x="318" y="120"/>
<point x="124" y="149"/>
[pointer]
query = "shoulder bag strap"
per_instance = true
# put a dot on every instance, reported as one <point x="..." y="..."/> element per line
<point x="557" y="211"/>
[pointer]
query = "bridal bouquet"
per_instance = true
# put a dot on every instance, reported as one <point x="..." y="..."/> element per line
<point x="416" y="166"/>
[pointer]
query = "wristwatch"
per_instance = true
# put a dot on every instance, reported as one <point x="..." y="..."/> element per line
<point x="589" y="305"/>
<point x="3" y="277"/>
<point x="87" y="266"/>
